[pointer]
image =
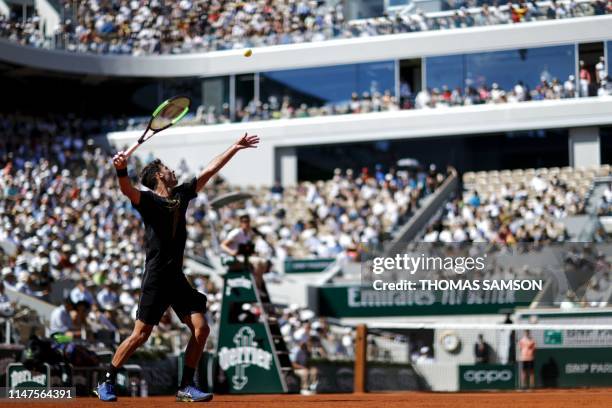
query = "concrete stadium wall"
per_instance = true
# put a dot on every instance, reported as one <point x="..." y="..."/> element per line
<point x="333" y="52"/>
<point x="4" y="8"/>
<point x="49" y="16"/>
<point x="584" y="147"/>
<point x="42" y="308"/>
<point x="199" y="144"/>
<point x="440" y="376"/>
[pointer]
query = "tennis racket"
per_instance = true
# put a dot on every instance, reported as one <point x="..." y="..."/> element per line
<point x="165" y="115"/>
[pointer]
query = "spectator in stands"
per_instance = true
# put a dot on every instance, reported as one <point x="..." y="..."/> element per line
<point x="600" y="70"/>
<point x="99" y="319"/>
<point x="474" y="199"/>
<point x="79" y="317"/>
<point x="585" y="80"/>
<point x="594" y="295"/>
<point x="317" y="351"/>
<point x="107" y="297"/>
<point x="423" y="99"/>
<point x="482" y="351"/>
<point x="605" y="87"/>
<point x="569" y="301"/>
<point x="605" y="205"/>
<point x="334" y="346"/>
<point x="25" y="285"/>
<point x="527" y="350"/>
<point x="569" y="87"/>
<point x="7" y="309"/>
<point x="601" y="7"/>
<point x="424" y="356"/>
<point x="80" y="293"/>
<point x="303" y="333"/>
<point x="301" y="357"/>
<point x="277" y="190"/>
<point x="61" y="320"/>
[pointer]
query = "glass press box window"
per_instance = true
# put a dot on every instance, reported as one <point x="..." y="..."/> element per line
<point x="190" y="87"/>
<point x="215" y="95"/>
<point x="506" y="68"/>
<point x="245" y="91"/>
<point x="327" y="85"/>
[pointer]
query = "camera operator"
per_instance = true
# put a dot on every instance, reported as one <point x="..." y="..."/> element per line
<point x="240" y="242"/>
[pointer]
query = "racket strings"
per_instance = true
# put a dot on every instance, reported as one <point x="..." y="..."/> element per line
<point x="170" y="112"/>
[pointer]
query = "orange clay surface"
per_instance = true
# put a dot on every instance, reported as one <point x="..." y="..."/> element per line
<point x="574" y="398"/>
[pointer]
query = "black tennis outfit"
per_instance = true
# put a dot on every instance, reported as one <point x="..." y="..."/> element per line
<point x="164" y="283"/>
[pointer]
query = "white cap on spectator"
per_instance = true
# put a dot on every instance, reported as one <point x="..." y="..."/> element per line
<point x="306" y="314"/>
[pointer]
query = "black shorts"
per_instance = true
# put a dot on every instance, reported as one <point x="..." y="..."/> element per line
<point x="176" y="293"/>
<point x="527" y="365"/>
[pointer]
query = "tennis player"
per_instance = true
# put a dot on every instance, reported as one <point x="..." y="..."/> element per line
<point x="163" y="208"/>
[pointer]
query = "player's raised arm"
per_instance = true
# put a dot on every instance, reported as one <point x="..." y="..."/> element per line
<point x="120" y="163"/>
<point x="245" y="142"/>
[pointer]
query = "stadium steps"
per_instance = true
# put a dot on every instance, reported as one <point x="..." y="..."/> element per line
<point x="597" y="193"/>
<point x="592" y="222"/>
<point x="575" y="226"/>
<point x="429" y="207"/>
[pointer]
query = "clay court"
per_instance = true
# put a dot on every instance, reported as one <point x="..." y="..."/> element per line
<point x="572" y="398"/>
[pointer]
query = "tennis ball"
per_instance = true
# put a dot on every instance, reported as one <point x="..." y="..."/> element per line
<point x="248" y="53"/>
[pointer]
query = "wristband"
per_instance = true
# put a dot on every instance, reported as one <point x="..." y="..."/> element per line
<point x="122" y="172"/>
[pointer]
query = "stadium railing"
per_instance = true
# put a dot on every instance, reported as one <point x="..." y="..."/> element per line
<point x="42" y="308"/>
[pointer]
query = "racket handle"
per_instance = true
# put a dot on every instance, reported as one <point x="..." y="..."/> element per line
<point x="129" y="151"/>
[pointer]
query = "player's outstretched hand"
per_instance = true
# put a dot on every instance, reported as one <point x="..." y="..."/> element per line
<point x="120" y="161"/>
<point x="246" y="142"/>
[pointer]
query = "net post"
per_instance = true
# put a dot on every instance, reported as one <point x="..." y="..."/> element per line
<point x="361" y="344"/>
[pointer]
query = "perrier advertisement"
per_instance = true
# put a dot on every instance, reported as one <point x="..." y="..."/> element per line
<point x="18" y="376"/>
<point x="245" y="352"/>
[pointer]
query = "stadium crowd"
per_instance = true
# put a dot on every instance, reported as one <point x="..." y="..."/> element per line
<point x="173" y="27"/>
<point x="483" y="94"/>
<point x="276" y="107"/>
<point x="515" y="206"/>
<point x="283" y="108"/>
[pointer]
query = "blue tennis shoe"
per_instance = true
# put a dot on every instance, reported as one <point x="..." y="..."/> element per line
<point x="192" y="394"/>
<point x="106" y="392"/>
